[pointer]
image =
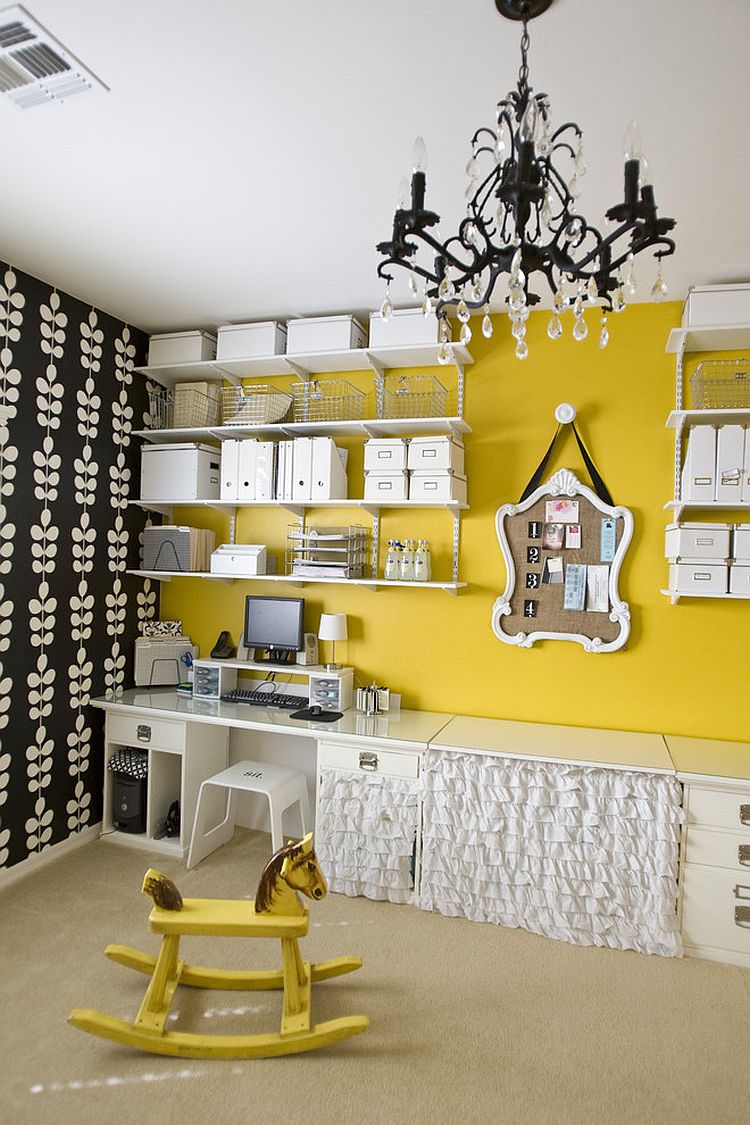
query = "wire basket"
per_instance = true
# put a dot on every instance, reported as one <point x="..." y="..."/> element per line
<point x="183" y="407"/>
<point x="719" y="383"/>
<point x="254" y="405"/>
<point x="327" y="400"/>
<point x="413" y="396"/>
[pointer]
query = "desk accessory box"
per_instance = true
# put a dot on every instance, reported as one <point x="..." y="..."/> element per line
<point x="431" y="453"/>
<point x="405" y="327"/>
<point x="160" y="662"/>
<point x="386" y="455"/>
<point x="211" y="680"/>
<point x="324" y="334"/>
<point x="241" y="559"/>
<point x="177" y="549"/>
<point x="181" y="347"/>
<point x="442" y="484"/>
<point x="333" y="691"/>
<point x="186" y="471"/>
<point x="246" y="341"/>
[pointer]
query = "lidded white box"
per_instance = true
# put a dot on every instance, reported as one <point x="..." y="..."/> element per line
<point x="383" y="455"/>
<point x="716" y="304"/>
<point x="406" y="326"/>
<point x="324" y="334"/>
<point x="246" y="341"/>
<point x="739" y="580"/>
<point x="387" y="486"/>
<point x="441" y="484"/>
<point x="696" y="577"/>
<point x="741" y="544"/>
<point x="697" y="541"/>
<point x="181" y="347"/>
<point x="430" y="453"/>
<point x="180" y="472"/>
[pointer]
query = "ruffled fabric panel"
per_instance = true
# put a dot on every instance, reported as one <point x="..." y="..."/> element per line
<point x="366" y="831"/>
<point x="579" y="853"/>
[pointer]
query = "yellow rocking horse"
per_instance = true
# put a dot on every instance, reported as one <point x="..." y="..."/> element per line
<point x="277" y="912"/>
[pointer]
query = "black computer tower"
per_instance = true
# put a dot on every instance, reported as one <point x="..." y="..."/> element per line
<point x="129" y="803"/>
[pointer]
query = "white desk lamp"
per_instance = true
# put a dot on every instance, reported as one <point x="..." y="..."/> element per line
<point x="332" y="628"/>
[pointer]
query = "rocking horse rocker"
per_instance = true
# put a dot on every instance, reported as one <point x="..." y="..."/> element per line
<point x="277" y="912"/>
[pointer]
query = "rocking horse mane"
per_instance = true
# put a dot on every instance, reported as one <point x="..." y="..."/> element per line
<point x="271" y="873"/>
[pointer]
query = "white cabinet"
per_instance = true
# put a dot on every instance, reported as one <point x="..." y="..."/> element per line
<point x="367" y="821"/>
<point x="180" y="756"/>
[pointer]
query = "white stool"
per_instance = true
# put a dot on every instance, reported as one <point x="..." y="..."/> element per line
<point x="283" y="788"/>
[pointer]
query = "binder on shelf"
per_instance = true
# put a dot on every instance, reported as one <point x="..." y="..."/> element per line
<point x="230" y="453"/>
<point x="745" y="498"/>
<point x="302" y="468"/>
<point x="265" y="468"/>
<point x="730" y="460"/>
<point x="284" y="470"/>
<point x="246" y="478"/>
<point x="329" y="480"/>
<point x="699" y="469"/>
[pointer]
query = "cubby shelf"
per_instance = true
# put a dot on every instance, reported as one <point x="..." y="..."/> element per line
<point x="295" y="580"/>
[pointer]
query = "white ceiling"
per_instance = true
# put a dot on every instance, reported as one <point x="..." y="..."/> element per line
<point x="249" y="154"/>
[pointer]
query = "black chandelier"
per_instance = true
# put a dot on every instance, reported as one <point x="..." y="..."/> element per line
<point x="522" y="220"/>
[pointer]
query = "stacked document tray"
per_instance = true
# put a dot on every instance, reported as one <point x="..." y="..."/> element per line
<point x="326" y="552"/>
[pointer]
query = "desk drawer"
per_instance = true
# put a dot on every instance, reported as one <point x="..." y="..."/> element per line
<point x="368" y="759"/>
<point x="143" y="730"/>
<point x="710" y="848"/>
<point x="720" y="808"/>
<point x="716" y="908"/>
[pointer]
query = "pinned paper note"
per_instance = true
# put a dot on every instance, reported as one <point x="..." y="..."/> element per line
<point x="575" y="586"/>
<point x="597" y="589"/>
<point x="608" y="540"/>
<point x="561" y="511"/>
<point x="553" y="570"/>
<point x="554" y="536"/>
<point x="572" y="535"/>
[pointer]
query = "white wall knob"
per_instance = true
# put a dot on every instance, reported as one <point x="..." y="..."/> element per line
<point x="565" y="413"/>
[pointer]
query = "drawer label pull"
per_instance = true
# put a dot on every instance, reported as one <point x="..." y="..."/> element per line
<point x="745" y="814"/>
<point x="742" y="916"/>
<point x="743" y="854"/>
<point x="143" y="732"/>
<point x="742" y="892"/>
<point x="368" y="760"/>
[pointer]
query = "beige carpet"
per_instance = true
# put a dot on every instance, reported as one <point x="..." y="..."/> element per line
<point x="469" y="1023"/>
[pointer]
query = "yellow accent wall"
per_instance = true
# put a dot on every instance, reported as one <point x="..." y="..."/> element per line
<point x="685" y="667"/>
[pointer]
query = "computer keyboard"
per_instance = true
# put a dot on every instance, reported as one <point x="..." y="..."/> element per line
<point x="257" y="698"/>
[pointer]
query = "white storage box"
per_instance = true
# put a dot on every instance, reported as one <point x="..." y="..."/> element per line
<point x="697" y="577"/>
<point x="431" y="453"/>
<point x="244" y="341"/>
<point x="385" y="455"/>
<point x="698" y="541"/>
<point x="239" y="559"/>
<point x="211" y="680"/>
<point x="180" y="472"/>
<point x="730" y="460"/>
<point x="181" y="347"/>
<point x="406" y="326"/>
<point x="741" y="544"/>
<point x="324" y="334"/>
<point x="387" y="486"/>
<point x="699" y="469"/>
<point x="739" y="580"/>
<point x="716" y="304"/>
<point x="441" y="484"/>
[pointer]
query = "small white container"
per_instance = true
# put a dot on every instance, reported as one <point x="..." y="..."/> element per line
<point x="180" y="472"/>
<point x="431" y="453"/>
<point x="406" y="326"/>
<point x="324" y="334"/>
<point x="741" y="543"/>
<point x="385" y="455"/>
<point x="697" y="541"/>
<point x="698" y="577"/>
<point x="716" y="304"/>
<point x="739" y="580"/>
<point x="441" y="484"/>
<point x="387" y="486"/>
<point x="181" y="347"/>
<point x="247" y="341"/>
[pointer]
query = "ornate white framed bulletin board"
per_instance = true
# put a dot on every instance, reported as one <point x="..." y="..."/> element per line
<point x="563" y="545"/>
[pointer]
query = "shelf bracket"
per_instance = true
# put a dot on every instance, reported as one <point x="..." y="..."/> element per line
<point x="460" y="391"/>
<point x="302" y="373"/>
<point x="228" y="375"/>
<point x="456" y="543"/>
<point x="375" y="364"/>
<point x="232" y="525"/>
<point x="375" y="542"/>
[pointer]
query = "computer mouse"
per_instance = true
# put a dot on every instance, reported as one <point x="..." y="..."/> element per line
<point x="315" y="710"/>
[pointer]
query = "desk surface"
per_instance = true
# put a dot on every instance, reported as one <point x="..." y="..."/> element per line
<point x="709" y="757"/>
<point x="399" y="728"/>
<point x="580" y="745"/>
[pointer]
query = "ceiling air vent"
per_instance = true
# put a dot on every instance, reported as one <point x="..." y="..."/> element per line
<point x="35" y="69"/>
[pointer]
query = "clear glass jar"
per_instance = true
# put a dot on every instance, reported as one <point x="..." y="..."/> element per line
<point x="422" y="563"/>
<point x="393" y="560"/>
<point x="407" y="561"/>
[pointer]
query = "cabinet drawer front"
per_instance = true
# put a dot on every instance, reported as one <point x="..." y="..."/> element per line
<point x="719" y="849"/>
<point x="142" y="730"/>
<point x="368" y="759"/>
<point x="716" y="908"/>
<point x="729" y="808"/>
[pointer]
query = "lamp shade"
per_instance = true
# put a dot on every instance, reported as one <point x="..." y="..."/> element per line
<point x="332" y="627"/>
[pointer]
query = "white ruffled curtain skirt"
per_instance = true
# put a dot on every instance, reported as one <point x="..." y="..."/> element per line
<point x="582" y="854"/>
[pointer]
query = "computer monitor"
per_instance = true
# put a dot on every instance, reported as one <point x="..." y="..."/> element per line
<point x="275" y="625"/>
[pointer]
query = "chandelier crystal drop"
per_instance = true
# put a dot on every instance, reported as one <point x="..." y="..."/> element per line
<point x="522" y="219"/>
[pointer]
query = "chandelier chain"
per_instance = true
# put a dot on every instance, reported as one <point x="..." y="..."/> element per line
<point x="523" y="73"/>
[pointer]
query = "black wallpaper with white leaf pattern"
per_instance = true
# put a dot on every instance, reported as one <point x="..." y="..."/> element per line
<point x="68" y="612"/>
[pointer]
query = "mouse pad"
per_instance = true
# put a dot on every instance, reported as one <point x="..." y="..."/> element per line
<point x="320" y="717"/>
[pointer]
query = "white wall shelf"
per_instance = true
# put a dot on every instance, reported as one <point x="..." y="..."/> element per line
<point x="297" y="507"/>
<point x="376" y="360"/>
<point x="675" y="595"/>
<point x="678" y="506"/>
<point x="711" y="338"/>
<point x="678" y="419"/>
<point x="364" y="427"/>
<point x="295" y="580"/>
